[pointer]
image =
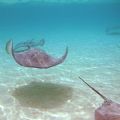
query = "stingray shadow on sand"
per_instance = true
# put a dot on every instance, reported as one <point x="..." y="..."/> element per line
<point x="43" y="95"/>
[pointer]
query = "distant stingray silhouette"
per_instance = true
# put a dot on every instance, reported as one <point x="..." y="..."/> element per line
<point x="34" y="57"/>
<point x="109" y="109"/>
<point x="115" y="30"/>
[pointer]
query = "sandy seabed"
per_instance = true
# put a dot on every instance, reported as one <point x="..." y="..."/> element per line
<point x="20" y="99"/>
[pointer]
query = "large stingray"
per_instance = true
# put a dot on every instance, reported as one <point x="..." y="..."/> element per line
<point x="34" y="57"/>
<point x="109" y="110"/>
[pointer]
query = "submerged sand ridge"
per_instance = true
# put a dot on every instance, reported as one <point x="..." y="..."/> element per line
<point x="42" y="95"/>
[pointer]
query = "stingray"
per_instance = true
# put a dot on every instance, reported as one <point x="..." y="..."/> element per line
<point x="34" y="57"/>
<point x="113" y="30"/>
<point x="109" y="110"/>
<point x="23" y="46"/>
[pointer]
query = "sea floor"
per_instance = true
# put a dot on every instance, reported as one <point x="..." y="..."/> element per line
<point x="98" y="62"/>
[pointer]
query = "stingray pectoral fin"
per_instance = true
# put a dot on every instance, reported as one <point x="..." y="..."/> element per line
<point x="9" y="46"/>
<point x="61" y="59"/>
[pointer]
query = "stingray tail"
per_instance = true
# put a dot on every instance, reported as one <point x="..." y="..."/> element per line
<point x="94" y="89"/>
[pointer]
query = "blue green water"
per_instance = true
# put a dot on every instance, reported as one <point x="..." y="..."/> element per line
<point x="93" y="54"/>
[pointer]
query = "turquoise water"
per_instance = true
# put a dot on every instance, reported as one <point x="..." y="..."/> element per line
<point x="93" y="55"/>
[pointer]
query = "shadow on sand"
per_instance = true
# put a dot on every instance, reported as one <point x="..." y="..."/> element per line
<point x="42" y="95"/>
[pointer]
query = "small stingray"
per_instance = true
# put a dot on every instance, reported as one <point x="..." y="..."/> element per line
<point x="118" y="46"/>
<point x="23" y="46"/>
<point x="109" y="110"/>
<point x="42" y="95"/>
<point x="113" y="30"/>
<point x="34" y="57"/>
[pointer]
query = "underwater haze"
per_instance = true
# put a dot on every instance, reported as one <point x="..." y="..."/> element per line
<point x="90" y="29"/>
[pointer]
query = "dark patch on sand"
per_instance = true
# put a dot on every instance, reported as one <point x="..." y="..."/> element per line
<point x="42" y="95"/>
